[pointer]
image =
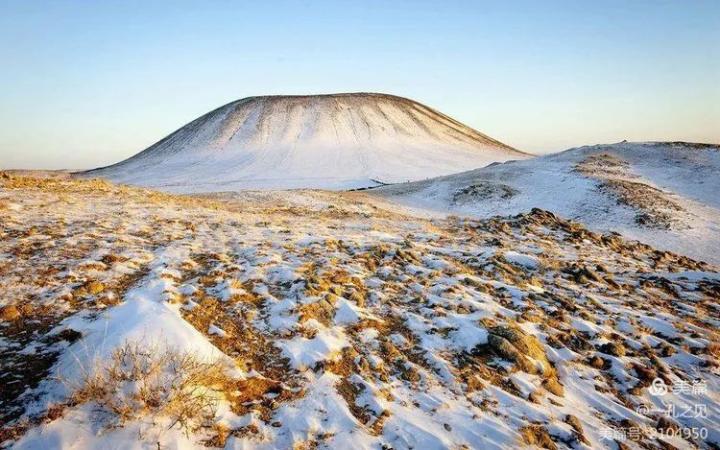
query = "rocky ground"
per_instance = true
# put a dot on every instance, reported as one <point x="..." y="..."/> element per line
<point x="135" y="319"/>
<point x="660" y="193"/>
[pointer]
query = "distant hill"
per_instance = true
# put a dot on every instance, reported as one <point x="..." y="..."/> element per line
<point x="663" y="193"/>
<point x="337" y="141"/>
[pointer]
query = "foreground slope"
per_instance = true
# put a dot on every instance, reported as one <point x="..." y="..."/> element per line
<point x="663" y="193"/>
<point x="336" y="141"/>
<point x="135" y="319"/>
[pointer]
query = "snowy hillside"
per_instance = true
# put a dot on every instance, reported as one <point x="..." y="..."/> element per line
<point x="134" y="319"/>
<point x="664" y="194"/>
<point x="337" y="141"/>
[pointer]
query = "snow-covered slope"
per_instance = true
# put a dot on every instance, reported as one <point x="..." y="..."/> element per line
<point x="320" y="141"/>
<point x="134" y="319"/>
<point x="665" y="194"/>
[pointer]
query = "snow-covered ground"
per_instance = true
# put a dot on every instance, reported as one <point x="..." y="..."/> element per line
<point x="309" y="319"/>
<point x="664" y="194"/>
<point x="340" y="141"/>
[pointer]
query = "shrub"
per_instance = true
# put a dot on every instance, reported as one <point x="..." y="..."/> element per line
<point x="149" y="382"/>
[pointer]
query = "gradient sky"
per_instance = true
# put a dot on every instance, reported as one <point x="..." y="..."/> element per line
<point x="87" y="83"/>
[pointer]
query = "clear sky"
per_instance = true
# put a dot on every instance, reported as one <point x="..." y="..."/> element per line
<point x="87" y="83"/>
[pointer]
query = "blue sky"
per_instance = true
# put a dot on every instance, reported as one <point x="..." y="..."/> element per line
<point x="87" y="83"/>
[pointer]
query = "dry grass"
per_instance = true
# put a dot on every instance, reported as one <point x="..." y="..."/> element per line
<point x="373" y="273"/>
<point x="603" y="165"/>
<point x="483" y="190"/>
<point x="141" y="382"/>
<point x="99" y="187"/>
<point x="654" y="208"/>
<point x="537" y="436"/>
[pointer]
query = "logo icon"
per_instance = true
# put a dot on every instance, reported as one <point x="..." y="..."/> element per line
<point x="658" y="387"/>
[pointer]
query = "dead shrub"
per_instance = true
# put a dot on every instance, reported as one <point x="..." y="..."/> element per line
<point x="9" y="313"/>
<point x="141" y="381"/>
<point x="537" y="435"/>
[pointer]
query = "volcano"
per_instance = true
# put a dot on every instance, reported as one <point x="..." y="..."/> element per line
<point x="336" y="141"/>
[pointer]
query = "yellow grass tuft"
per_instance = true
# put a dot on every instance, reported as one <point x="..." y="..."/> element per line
<point x="147" y="382"/>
